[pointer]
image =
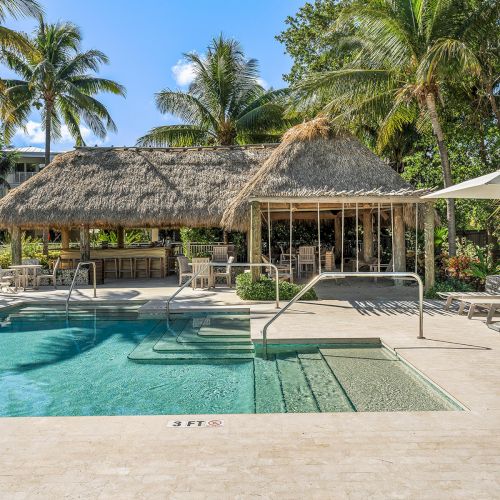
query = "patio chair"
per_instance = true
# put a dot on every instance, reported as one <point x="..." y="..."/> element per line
<point x="307" y="259"/>
<point x="30" y="275"/>
<point x="490" y="303"/>
<point x="49" y="277"/>
<point x="8" y="280"/>
<point x="224" y="274"/>
<point x="283" y="270"/>
<point x="183" y="268"/>
<point x="199" y="265"/>
<point x="220" y="253"/>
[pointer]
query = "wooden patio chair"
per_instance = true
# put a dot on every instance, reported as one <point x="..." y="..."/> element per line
<point x="183" y="268"/>
<point x="49" y="277"/>
<point x="220" y="253"/>
<point x="307" y="259"/>
<point x="199" y="264"/>
<point x="224" y="274"/>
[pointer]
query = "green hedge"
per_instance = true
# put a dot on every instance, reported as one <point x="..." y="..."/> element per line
<point x="449" y="285"/>
<point x="265" y="289"/>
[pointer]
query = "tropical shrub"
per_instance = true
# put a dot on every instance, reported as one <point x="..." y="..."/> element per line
<point x="449" y="285"/>
<point x="483" y="266"/>
<point x="265" y="289"/>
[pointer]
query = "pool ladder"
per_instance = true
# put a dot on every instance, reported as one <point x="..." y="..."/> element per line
<point x="333" y="274"/>
<point x="80" y="264"/>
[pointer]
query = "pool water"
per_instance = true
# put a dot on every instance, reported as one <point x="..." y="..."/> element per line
<point x="84" y="365"/>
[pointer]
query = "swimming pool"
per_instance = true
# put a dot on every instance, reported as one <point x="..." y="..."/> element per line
<point x="111" y="361"/>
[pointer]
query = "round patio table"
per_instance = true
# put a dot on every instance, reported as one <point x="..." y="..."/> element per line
<point x="24" y="274"/>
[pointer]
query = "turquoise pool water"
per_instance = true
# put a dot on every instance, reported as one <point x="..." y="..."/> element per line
<point x="51" y="365"/>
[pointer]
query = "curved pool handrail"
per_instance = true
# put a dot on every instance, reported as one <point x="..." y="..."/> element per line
<point x="90" y="263"/>
<point x="334" y="274"/>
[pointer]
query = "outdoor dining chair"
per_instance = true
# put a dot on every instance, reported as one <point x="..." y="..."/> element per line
<point x="226" y="273"/>
<point x="307" y="259"/>
<point x="183" y="268"/>
<point x="220" y="253"/>
<point x="49" y="277"/>
<point x="200" y="266"/>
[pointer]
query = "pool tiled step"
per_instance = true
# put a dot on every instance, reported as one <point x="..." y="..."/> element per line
<point x="297" y="393"/>
<point x="268" y="394"/>
<point x="328" y="393"/>
<point x="181" y="340"/>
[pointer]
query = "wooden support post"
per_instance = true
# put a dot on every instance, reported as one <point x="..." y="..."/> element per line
<point x="84" y="243"/>
<point x="120" y="235"/>
<point x="155" y="234"/>
<point x="399" y="255"/>
<point x="65" y="236"/>
<point x="429" y="246"/>
<point x="256" y="239"/>
<point x="338" y="236"/>
<point x="16" y="245"/>
<point x="45" y="241"/>
<point x="225" y="237"/>
<point x="367" y="235"/>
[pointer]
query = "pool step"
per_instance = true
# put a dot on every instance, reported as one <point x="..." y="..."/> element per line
<point x="216" y="337"/>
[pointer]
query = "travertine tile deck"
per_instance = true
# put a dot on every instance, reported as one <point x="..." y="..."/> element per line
<point x="362" y="455"/>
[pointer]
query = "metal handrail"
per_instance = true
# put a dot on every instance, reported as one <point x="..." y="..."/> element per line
<point x="74" y="280"/>
<point x="222" y="264"/>
<point x="333" y="274"/>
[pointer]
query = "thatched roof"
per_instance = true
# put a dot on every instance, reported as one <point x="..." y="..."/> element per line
<point x="315" y="162"/>
<point x="131" y="187"/>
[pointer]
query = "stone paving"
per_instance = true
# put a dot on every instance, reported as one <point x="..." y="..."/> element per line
<point x="357" y="455"/>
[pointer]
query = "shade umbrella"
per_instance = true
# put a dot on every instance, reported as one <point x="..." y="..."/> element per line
<point x="486" y="187"/>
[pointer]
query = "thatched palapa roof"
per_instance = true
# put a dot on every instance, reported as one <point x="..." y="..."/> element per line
<point x="315" y="162"/>
<point x="133" y="187"/>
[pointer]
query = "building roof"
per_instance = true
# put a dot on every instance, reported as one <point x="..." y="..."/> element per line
<point x="202" y="186"/>
<point x="315" y="162"/>
<point x="133" y="187"/>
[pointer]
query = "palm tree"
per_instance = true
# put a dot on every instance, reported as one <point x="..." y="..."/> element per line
<point x="7" y="164"/>
<point x="57" y="79"/>
<point x="408" y="51"/>
<point x="9" y="38"/>
<point x="224" y="104"/>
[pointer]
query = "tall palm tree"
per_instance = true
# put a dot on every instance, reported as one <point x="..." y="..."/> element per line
<point x="57" y="79"/>
<point x="15" y="8"/>
<point x="224" y="104"/>
<point x="408" y="51"/>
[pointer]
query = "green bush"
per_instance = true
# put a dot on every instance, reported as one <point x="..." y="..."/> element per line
<point x="265" y="289"/>
<point x="449" y="285"/>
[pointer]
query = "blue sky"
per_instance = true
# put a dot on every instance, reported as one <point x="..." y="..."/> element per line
<point x="145" y="41"/>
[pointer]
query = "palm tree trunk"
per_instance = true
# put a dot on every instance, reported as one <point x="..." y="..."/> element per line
<point x="494" y="106"/>
<point x="430" y="101"/>
<point x="48" y="126"/>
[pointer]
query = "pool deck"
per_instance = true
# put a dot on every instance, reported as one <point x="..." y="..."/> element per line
<point x="356" y="455"/>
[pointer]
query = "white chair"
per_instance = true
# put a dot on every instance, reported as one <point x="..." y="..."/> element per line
<point x="30" y="273"/>
<point x="49" y="277"/>
<point x="8" y="280"/>
<point x="199" y="265"/>
<point x="183" y="268"/>
<point x="220" y="253"/>
<point x="307" y="259"/>
<point x="224" y="274"/>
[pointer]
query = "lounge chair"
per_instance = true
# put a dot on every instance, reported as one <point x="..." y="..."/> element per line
<point x="491" y="289"/>
<point x="49" y="277"/>
<point x="491" y="304"/>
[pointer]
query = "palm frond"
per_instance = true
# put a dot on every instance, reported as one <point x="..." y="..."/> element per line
<point x="174" y="135"/>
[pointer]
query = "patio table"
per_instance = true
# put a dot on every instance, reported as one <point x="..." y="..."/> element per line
<point x="23" y="271"/>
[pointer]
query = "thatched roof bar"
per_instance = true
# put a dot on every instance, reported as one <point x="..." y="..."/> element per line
<point x="414" y="198"/>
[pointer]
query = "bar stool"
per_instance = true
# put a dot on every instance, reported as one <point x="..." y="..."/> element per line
<point x="156" y="265"/>
<point x="110" y="265"/>
<point x="127" y="266"/>
<point x="142" y="267"/>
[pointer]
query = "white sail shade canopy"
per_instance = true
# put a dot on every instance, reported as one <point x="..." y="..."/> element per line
<point x="486" y="187"/>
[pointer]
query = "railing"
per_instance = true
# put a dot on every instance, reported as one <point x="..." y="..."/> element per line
<point x="222" y="264"/>
<point x="74" y="281"/>
<point x="316" y="279"/>
<point x="193" y="248"/>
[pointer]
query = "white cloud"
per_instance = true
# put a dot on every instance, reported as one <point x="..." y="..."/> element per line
<point x="33" y="134"/>
<point x="183" y="72"/>
<point x="263" y="83"/>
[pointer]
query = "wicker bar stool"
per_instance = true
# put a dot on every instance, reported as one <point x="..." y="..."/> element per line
<point x="111" y="266"/>
<point x="142" y="267"/>
<point x="156" y="267"/>
<point x="127" y="266"/>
